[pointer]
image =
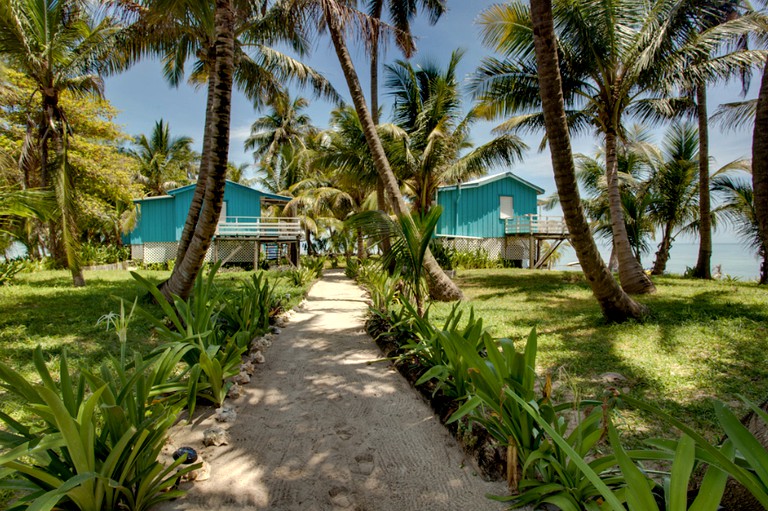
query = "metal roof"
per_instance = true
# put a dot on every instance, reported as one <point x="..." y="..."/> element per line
<point x="495" y="177"/>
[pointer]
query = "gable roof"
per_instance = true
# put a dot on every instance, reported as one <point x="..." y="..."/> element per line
<point x="172" y="193"/>
<point x="495" y="177"/>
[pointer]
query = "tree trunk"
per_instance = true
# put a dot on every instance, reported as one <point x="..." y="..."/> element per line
<point x="47" y="134"/>
<point x="205" y="160"/>
<point x="65" y="189"/>
<point x="183" y="277"/>
<point x="760" y="167"/>
<point x="633" y="278"/>
<point x="702" y="269"/>
<point x="440" y="286"/>
<point x="310" y="248"/>
<point x="361" y="253"/>
<point x="662" y="256"/>
<point x="614" y="302"/>
<point x="381" y="193"/>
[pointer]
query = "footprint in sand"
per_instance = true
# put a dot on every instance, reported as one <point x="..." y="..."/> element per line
<point x="364" y="464"/>
<point x="340" y="497"/>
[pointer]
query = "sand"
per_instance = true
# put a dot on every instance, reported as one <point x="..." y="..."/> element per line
<point x="318" y="428"/>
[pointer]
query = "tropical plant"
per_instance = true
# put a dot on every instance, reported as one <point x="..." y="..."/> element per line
<point x="336" y="17"/>
<point x="301" y="276"/>
<point x="618" y="59"/>
<point x="219" y="35"/>
<point x="247" y="312"/>
<point x="737" y="207"/>
<point x="277" y="135"/>
<point x="409" y="240"/>
<point x="9" y="269"/>
<point x="165" y="162"/>
<point x="93" y="452"/>
<point x="616" y="305"/>
<point x="61" y="47"/>
<point x="210" y="354"/>
<point x="427" y="106"/>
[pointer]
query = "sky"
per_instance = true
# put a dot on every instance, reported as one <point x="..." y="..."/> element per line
<point x="143" y="97"/>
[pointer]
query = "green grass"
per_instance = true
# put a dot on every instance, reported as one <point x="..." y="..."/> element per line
<point x="703" y="340"/>
<point x="44" y="309"/>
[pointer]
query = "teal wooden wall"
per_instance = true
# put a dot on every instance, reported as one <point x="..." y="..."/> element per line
<point x="478" y="207"/>
<point x="162" y="219"/>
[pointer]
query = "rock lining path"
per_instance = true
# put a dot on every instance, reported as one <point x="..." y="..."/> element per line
<point x="320" y="429"/>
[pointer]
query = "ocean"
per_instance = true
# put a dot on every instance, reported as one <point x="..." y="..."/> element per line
<point x="734" y="259"/>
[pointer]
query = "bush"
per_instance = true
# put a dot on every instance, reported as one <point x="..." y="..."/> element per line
<point x="302" y="276"/>
<point x="9" y="269"/>
<point x="94" y="253"/>
<point x="477" y="259"/>
<point x="91" y="451"/>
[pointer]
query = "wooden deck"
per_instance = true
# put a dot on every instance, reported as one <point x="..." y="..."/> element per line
<point x="260" y="228"/>
<point x="552" y="227"/>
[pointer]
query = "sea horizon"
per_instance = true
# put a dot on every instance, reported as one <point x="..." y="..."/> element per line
<point x="735" y="260"/>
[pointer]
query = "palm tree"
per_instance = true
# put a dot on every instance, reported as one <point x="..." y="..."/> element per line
<point x="277" y="137"/>
<point x="738" y="208"/>
<point x="618" y="59"/>
<point x="428" y="108"/>
<point x="615" y="303"/>
<point x="165" y="162"/>
<point x="401" y="13"/>
<point x="334" y="15"/>
<point x="675" y="187"/>
<point x="61" y="48"/>
<point x="186" y="269"/>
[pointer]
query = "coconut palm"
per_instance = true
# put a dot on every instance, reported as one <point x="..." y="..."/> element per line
<point x="401" y="13"/>
<point x="618" y="59"/>
<point x="737" y="207"/>
<point x="61" y="47"/>
<point x="675" y="186"/>
<point x="165" y="162"/>
<point x="614" y="302"/>
<point x="277" y="137"/>
<point x="427" y="106"/>
<point x="336" y="16"/>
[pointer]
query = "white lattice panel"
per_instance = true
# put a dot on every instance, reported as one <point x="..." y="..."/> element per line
<point x="159" y="252"/>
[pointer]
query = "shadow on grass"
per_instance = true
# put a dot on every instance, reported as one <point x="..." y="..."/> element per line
<point x="701" y="340"/>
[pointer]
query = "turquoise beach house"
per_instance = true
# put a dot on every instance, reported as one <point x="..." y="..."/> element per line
<point x="497" y="214"/>
<point x="240" y="234"/>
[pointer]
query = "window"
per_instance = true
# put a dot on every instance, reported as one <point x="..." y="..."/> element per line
<point x="505" y="207"/>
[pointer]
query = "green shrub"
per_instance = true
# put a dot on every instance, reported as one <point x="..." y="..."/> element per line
<point x="301" y="276"/>
<point x="247" y="312"/>
<point x="95" y="253"/>
<point x="94" y="451"/>
<point x="316" y="264"/>
<point x="477" y="259"/>
<point x="9" y="269"/>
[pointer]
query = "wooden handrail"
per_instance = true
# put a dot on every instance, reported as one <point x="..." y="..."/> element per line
<point x="260" y="227"/>
<point x="535" y="224"/>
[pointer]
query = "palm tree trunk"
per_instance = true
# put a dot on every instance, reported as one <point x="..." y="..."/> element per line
<point x="183" y="277"/>
<point x="47" y="135"/>
<point x="662" y="256"/>
<point x="65" y="196"/>
<point x="381" y="193"/>
<point x="760" y="168"/>
<point x="614" y="302"/>
<point x="361" y="254"/>
<point x="205" y="160"/>
<point x="702" y="269"/>
<point x="440" y="286"/>
<point x="633" y="278"/>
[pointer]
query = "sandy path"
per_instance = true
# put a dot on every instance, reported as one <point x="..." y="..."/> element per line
<point x="319" y="429"/>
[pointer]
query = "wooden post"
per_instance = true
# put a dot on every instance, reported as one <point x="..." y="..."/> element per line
<point x="216" y="251"/>
<point x="531" y="252"/>
<point x="257" y="256"/>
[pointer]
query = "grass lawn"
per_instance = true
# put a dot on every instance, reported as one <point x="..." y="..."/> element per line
<point x="44" y="309"/>
<point x="703" y="340"/>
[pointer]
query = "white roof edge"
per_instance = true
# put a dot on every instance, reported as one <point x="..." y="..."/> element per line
<point x="494" y="177"/>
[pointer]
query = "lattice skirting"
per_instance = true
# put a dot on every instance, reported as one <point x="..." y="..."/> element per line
<point x="507" y="248"/>
<point x="160" y="252"/>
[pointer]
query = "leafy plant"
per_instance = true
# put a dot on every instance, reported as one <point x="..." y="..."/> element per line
<point x="316" y="264"/>
<point x="89" y="451"/>
<point x="247" y="312"/>
<point x="9" y="269"/>
<point x="301" y="276"/>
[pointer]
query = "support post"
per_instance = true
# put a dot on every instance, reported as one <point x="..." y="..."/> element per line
<point x="531" y="252"/>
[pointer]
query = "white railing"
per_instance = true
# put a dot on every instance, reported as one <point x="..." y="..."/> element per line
<point x="535" y="224"/>
<point x="260" y="227"/>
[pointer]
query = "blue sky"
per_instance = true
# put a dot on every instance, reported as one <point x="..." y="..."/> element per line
<point x="143" y="97"/>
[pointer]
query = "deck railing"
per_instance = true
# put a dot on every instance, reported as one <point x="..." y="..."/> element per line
<point x="260" y="227"/>
<point x="535" y="224"/>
